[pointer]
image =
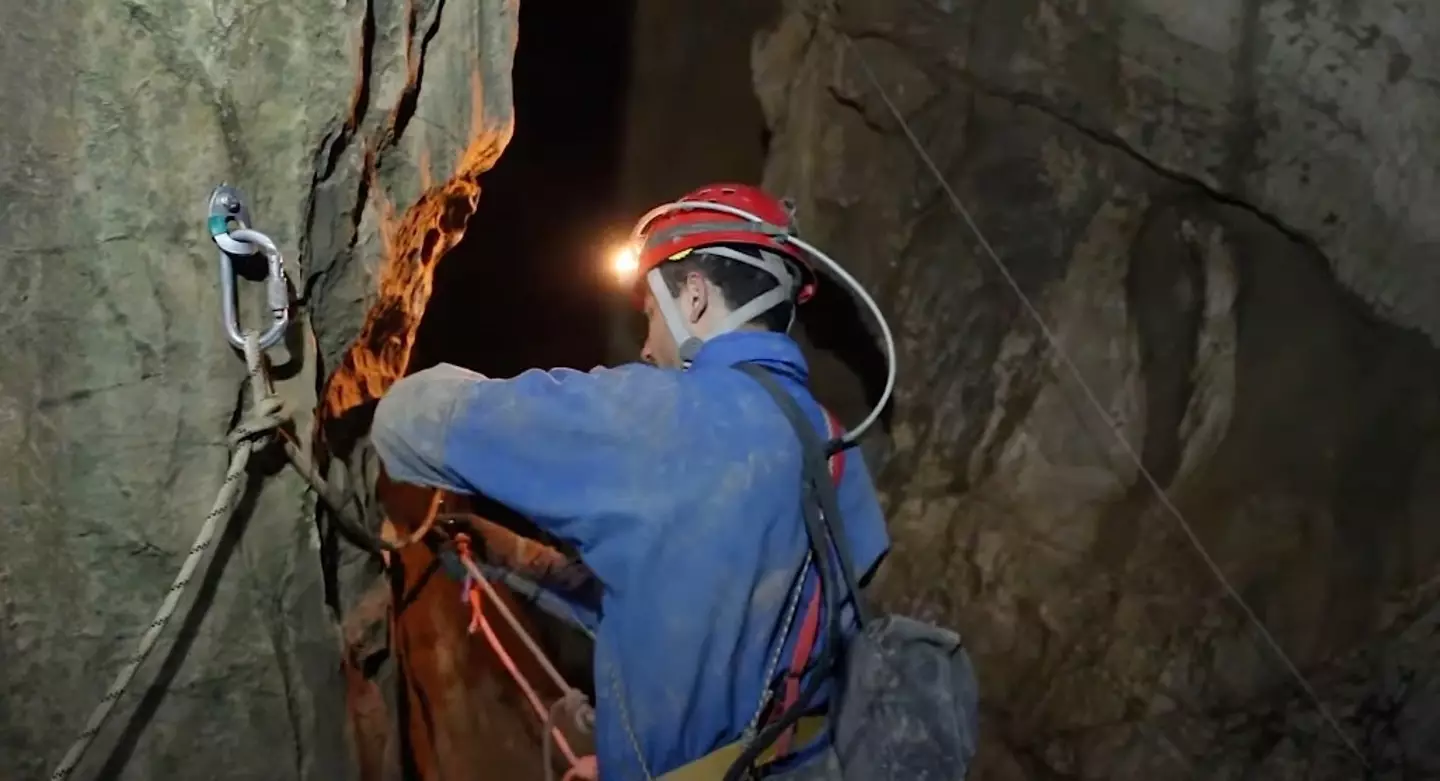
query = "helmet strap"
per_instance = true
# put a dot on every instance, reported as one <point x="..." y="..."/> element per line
<point x="782" y="293"/>
<point x="688" y="343"/>
<point x="757" y="306"/>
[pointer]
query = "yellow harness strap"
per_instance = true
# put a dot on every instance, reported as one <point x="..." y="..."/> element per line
<point x="712" y="766"/>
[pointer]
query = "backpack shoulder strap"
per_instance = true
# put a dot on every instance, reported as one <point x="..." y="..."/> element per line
<point x="810" y="622"/>
<point x="823" y="526"/>
<point x="828" y="529"/>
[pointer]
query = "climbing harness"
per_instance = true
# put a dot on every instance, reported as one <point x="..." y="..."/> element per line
<point x="1094" y="401"/>
<point x="227" y="207"/>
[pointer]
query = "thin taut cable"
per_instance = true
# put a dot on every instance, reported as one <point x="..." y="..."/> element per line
<point x="1094" y="400"/>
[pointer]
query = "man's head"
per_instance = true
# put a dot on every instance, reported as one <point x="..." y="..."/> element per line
<point x="707" y="288"/>
<point x="717" y="260"/>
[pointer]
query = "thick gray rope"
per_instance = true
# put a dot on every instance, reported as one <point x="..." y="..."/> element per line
<point x="249" y="436"/>
<point x="349" y="526"/>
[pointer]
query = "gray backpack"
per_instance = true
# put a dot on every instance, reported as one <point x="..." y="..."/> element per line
<point x="905" y="703"/>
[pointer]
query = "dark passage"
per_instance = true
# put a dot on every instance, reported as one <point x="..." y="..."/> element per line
<point x="526" y="286"/>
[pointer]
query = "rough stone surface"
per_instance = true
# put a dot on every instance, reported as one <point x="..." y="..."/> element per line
<point x="1207" y="204"/>
<point x="1219" y="209"/>
<point x="117" y="387"/>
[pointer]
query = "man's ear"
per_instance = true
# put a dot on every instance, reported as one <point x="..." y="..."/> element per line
<point x="697" y="296"/>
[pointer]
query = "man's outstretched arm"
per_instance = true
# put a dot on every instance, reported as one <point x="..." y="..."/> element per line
<point x="573" y="451"/>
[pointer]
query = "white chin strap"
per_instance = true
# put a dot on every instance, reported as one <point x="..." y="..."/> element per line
<point x="688" y="342"/>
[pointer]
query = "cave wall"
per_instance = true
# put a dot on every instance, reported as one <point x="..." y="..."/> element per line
<point x="1218" y="210"/>
<point x="117" y="388"/>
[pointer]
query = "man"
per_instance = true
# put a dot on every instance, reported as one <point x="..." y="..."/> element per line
<point x="678" y="481"/>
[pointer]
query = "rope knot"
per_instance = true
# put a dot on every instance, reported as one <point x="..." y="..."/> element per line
<point x="267" y="411"/>
<point x="264" y="419"/>
<point x="575" y="704"/>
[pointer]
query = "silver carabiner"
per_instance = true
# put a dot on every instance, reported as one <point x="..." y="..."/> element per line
<point x="227" y="207"/>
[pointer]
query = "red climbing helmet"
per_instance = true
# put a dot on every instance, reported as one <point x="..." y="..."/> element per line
<point x="719" y="214"/>
<point x="712" y="220"/>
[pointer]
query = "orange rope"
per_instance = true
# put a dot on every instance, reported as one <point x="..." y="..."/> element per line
<point x="470" y="587"/>
<point x="529" y="691"/>
<point x="584" y="770"/>
<point x="580" y="768"/>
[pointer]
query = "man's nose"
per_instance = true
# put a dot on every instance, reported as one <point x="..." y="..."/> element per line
<point x="646" y="354"/>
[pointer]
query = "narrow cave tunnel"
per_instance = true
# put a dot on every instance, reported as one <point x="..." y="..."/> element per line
<point x="526" y="288"/>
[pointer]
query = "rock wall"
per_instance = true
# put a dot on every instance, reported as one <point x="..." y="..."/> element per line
<point x="117" y="387"/>
<point x="1208" y="205"/>
<point x="1212" y="206"/>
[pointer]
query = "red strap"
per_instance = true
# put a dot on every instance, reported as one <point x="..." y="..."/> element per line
<point x="810" y="624"/>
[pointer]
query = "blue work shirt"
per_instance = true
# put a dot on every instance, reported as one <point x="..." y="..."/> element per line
<point x="681" y="490"/>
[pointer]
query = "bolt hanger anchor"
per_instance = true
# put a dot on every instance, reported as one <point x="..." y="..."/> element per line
<point x="229" y="224"/>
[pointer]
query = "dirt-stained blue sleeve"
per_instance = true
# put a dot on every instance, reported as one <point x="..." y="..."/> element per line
<point x="577" y="452"/>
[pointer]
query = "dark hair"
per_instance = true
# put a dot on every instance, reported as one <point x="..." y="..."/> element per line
<point x="739" y="283"/>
